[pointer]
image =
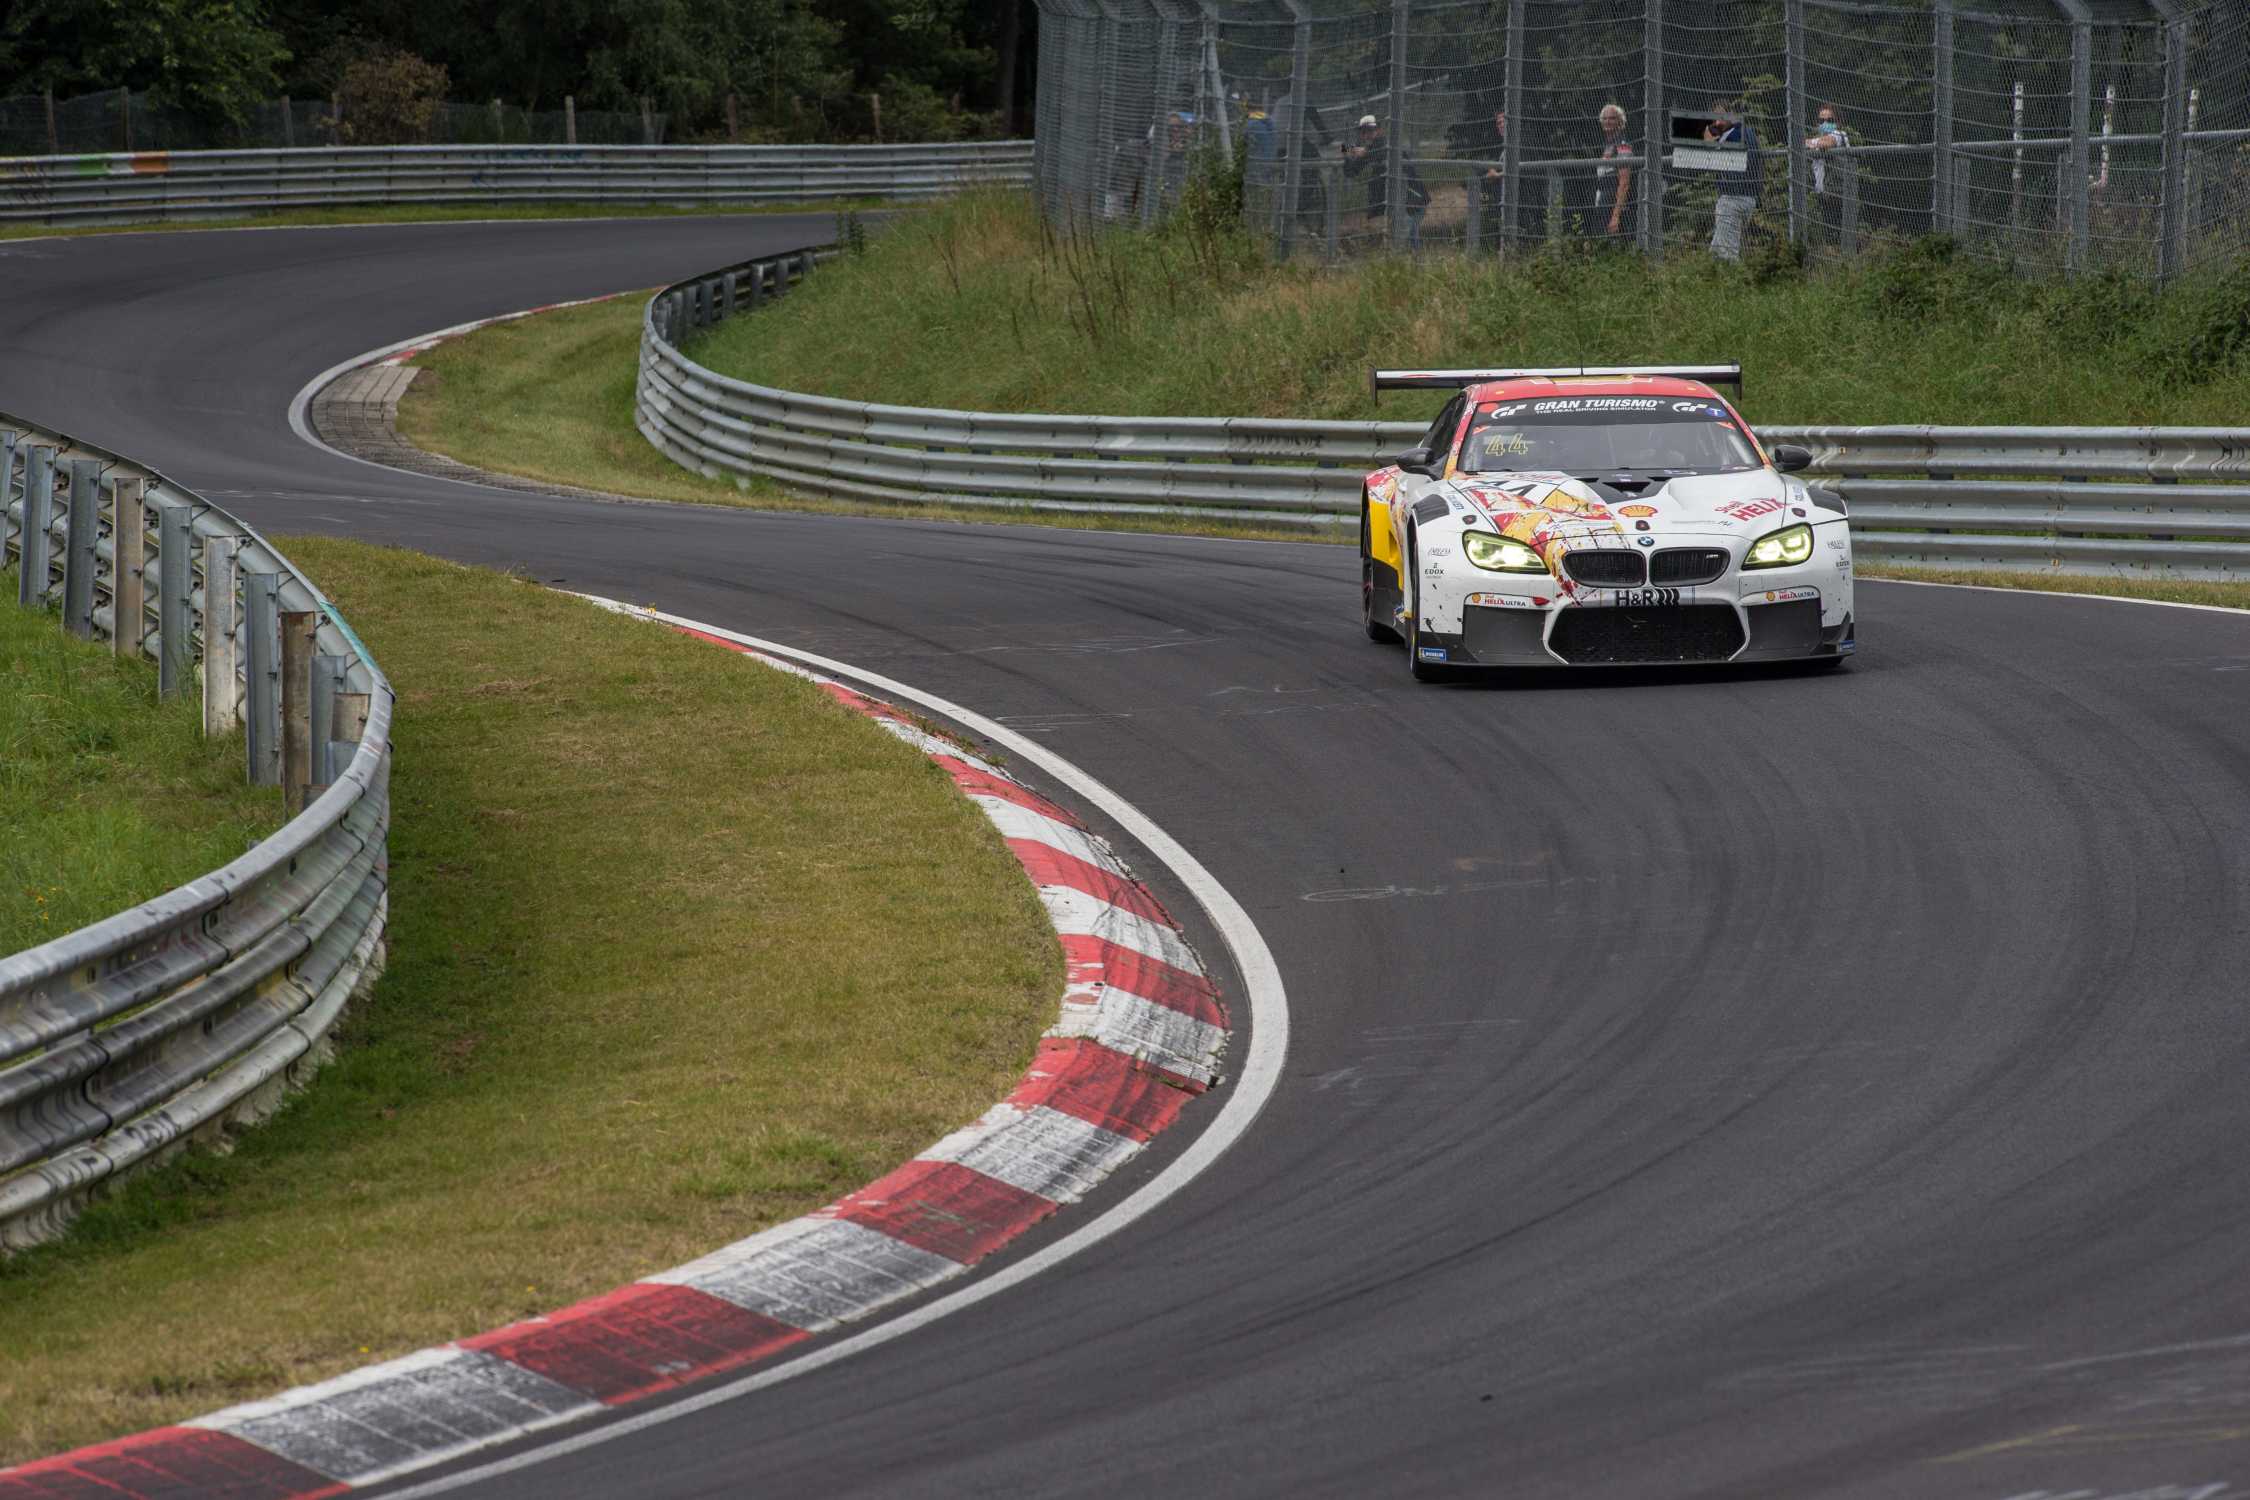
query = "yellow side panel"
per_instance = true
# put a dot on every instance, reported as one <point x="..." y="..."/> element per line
<point x="1382" y="545"/>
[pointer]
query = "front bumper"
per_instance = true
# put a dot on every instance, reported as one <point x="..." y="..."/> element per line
<point x="1481" y="619"/>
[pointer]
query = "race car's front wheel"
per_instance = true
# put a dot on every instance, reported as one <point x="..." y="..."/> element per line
<point x="1378" y="629"/>
<point x="1374" y="600"/>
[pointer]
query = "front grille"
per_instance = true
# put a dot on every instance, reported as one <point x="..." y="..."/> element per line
<point x="1604" y="569"/>
<point x="1680" y="566"/>
<point x="1599" y="635"/>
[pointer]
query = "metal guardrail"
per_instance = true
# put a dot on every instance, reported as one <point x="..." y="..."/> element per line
<point x="194" y="1011"/>
<point x="2170" y="501"/>
<point x="159" y="185"/>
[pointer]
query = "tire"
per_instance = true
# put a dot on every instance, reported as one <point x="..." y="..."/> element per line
<point x="1379" y="631"/>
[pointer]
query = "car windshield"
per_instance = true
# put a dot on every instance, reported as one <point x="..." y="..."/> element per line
<point x="1604" y="434"/>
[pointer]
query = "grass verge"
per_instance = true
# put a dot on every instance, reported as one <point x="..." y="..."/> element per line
<point x="679" y="949"/>
<point x="439" y="213"/>
<point x="107" y="796"/>
<point x="551" y="398"/>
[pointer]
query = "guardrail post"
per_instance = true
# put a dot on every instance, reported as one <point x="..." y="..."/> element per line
<point x="222" y="641"/>
<point x="327" y="683"/>
<point x="82" y="531"/>
<point x="38" y="516"/>
<point x="175" y="581"/>
<point x="8" y="442"/>
<point x="128" y="587"/>
<point x="1943" y="209"/>
<point x="1793" y="30"/>
<point x="1651" y="190"/>
<point x="296" y="707"/>
<point x="261" y="659"/>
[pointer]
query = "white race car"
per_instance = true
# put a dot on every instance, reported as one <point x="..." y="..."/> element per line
<point x="1599" y="517"/>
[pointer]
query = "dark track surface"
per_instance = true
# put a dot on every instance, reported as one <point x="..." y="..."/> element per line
<point x="1733" y="1085"/>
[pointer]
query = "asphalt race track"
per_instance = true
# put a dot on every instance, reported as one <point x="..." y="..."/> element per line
<point x="1734" y="1084"/>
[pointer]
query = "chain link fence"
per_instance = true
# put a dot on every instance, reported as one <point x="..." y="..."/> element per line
<point x="120" y="120"/>
<point x="2077" y="134"/>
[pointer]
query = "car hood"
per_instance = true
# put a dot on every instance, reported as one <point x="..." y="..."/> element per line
<point x="1556" y="512"/>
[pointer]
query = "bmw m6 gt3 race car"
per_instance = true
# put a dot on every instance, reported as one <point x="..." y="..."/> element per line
<point x="1599" y="517"/>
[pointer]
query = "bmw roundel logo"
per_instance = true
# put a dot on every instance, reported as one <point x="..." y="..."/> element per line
<point x="1646" y="541"/>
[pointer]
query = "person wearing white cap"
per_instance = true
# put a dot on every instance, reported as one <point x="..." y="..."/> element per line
<point x="1370" y="153"/>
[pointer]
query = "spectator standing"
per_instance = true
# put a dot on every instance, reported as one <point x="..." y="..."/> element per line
<point x="1828" y="134"/>
<point x="1738" y="191"/>
<point x="1613" y="180"/>
<point x="1371" y="152"/>
<point x="1492" y="145"/>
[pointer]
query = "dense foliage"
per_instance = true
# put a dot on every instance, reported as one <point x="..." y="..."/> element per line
<point x="795" y="69"/>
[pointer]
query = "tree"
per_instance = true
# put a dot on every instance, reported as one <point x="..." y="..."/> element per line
<point x="213" y="58"/>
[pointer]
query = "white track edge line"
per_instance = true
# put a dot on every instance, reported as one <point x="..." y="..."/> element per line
<point x="2001" y="588"/>
<point x="1246" y="1094"/>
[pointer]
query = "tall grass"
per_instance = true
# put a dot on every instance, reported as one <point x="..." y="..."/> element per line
<point x="974" y="303"/>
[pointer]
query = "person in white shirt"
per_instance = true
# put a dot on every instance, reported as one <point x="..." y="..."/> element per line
<point x="1828" y="134"/>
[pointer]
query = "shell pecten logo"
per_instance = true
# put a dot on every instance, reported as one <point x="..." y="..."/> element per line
<point x="1636" y="511"/>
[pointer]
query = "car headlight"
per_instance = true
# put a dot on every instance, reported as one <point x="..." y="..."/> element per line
<point x="1501" y="554"/>
<point x="1779" y="549"/>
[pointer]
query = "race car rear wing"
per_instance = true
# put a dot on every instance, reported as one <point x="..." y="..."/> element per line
<point x="1379" y="381"/>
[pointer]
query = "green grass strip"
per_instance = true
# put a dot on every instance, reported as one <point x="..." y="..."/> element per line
<point x="679" y="948"/>
<point x="107" y="796"/>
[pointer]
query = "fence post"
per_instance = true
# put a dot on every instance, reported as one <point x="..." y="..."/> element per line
<point x="288" y="124"/>
<point x="1394" y="158"/>
<point x="499" y="124"/>
<point x="1793" y="29"/>
<point x="1942" y="205"/>
<point x="82" y="531"/>
<point x="296" y="708"/>
<point x="128" y="585"/>
<point x="54" y="142"/>
<point x="648" y="123"/>
<point x="175" y="581"/>
<point x="222" y="640"/>
<point x="1158" y="159"/>
<point x="1847" y="191"/>
<point x="32" y="545"/>
<point x="261" y="676"/>
<point x="570" y="118"/>
<point x="1300" y="80"/>
<point x="734" y="132"/>
<point x="2077" y="190"/>
<point x="2171" y="213"/>
<point x="1651" y="189"/>
<point x="125" y="116"/>
<point x="1511" y="148"/>
<point x="327" y="682"/>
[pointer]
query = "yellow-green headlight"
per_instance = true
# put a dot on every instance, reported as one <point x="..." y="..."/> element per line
<point x="1779" y="549"/>
<point x="1501" y="554"/>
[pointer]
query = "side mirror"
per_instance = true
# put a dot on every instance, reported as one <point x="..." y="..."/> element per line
<point x="1417" y="461"/>
<point x="1789" y="458"/>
